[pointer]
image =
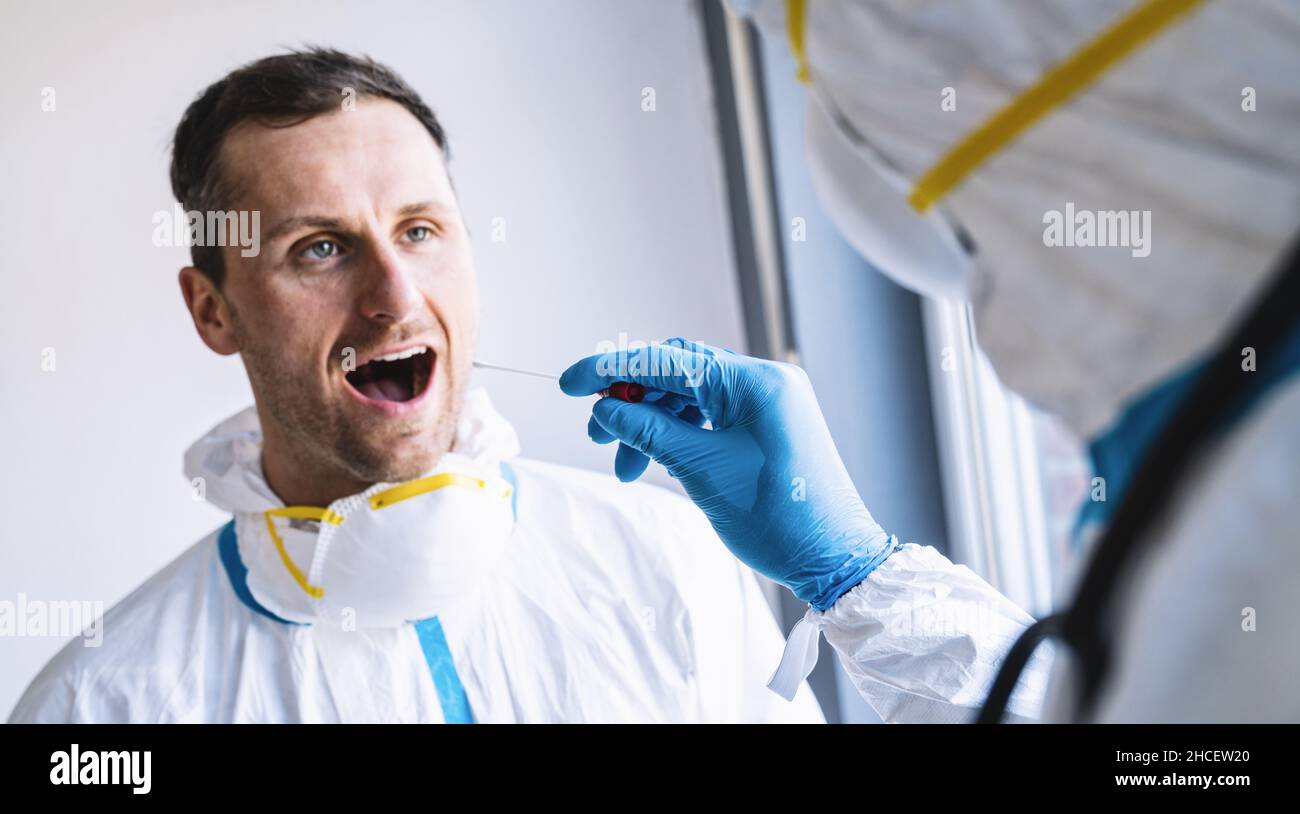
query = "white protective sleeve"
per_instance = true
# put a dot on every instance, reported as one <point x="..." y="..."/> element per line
<point x="922" y="638"/>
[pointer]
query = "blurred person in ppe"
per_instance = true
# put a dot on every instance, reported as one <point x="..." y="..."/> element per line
<point x="948" y="139"/>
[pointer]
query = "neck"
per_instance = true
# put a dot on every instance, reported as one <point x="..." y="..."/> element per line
<point x="295" y="477"/>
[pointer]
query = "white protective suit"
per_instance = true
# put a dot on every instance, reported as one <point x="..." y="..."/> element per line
<point x="609" y="602"/>
<point x="1079" y="330"/>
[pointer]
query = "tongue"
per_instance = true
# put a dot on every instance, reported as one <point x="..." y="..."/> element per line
<point x="385" y="389"/>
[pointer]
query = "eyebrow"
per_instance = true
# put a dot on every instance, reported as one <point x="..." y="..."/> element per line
<point x="422" y="207"/>
<point x="333" y="224"/>
<point x="292" y="224"/>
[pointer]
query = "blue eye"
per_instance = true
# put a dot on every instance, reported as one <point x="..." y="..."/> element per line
<point x="424" y="233"/>
<point x="323" y="249"/>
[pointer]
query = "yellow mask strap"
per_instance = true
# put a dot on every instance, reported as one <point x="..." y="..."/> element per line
<point x="415" y="488"/>
<point x="1080" y="70"/>
<point x="301" y="513"/>
<point x="796" y="13"/>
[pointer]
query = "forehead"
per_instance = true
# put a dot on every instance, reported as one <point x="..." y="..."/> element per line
<point x="377" y="152"/>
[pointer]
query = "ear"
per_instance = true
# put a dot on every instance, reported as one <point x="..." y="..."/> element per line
<point x="209" y="311"/>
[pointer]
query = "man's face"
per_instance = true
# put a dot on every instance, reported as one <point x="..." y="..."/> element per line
<point x="358" y="319"/>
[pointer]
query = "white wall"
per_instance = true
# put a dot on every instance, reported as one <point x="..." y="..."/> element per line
<point x="615" y="223"/>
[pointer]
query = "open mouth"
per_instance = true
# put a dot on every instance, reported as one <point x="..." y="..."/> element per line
<point x="400" y="376"/>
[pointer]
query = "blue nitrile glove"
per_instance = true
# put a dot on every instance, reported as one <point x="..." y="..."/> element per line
<point x="766" y="474"/>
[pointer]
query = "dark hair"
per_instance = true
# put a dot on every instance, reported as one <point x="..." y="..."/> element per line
<point x="277" y="91"/>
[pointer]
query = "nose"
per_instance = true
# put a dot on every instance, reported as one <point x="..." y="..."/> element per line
<point x="389" y="293"/>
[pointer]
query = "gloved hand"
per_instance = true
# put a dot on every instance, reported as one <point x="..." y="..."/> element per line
<point x="766" y="474"/>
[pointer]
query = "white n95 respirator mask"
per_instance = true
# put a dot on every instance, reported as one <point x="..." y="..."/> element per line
<point x="389" y="555"/>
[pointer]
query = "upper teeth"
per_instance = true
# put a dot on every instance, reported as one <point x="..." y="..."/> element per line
<point x="401" y="354"/>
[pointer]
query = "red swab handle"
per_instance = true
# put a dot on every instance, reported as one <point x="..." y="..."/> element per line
<point x="625" y="391"/>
